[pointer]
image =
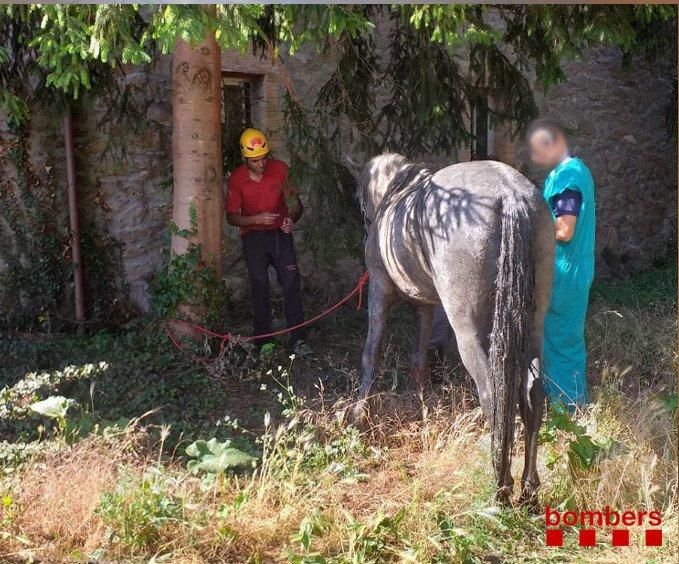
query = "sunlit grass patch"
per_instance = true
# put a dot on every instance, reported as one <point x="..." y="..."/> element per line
<point x="320" y="489"/>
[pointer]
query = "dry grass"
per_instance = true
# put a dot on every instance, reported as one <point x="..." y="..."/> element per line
<point x="423" y="474"/>
<point x="404" y="491"/>
<point x="55" y="510"/>
<point x="59" y="500"/>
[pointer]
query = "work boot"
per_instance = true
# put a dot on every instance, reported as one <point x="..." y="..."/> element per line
<point x="301" y="350"/>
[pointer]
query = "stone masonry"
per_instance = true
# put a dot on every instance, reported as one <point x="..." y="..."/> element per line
<point x="617" y="118"/>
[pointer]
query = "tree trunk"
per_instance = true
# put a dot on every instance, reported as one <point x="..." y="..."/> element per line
<point x="197" y="146"/>
<point x="76" y="255"/>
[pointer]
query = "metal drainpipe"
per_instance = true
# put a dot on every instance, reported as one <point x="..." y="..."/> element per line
<point x="75" y="224"/>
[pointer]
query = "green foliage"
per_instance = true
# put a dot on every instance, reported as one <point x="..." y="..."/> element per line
<point x="546" y="35"/>
<point x="316" y="164"/>
<point x="426" y="91"/>
<point x="188" y="281"/>
<point x="428" y="119"/>
<point x="15" y="455"/>
<point x="672" y="404"/>
<point x="71" y="44"/>
<point x="655" y="288"/>
<point x="138" y="510"/>
<point x="180" y="21"/>
<point x="74" y="48"/>
<point x="112" y="378"/>
<point x="69" y="40"/>
<point x="370" y="540"/>
<point x="309" y="527"/>
<point x="18" y="414"/>
<point x="583" y="452"/>
<point x="101" y="261"/>
<point x="35" y="288"/>
<point x="278" y="29"/>
<point x="339" y="455"/>
<point x="428" y="490"/>
<point x="16" y="107"/>
<point x="33" y="240"/>
<point x="54" y="407"/>
<point x="213" y="457"/>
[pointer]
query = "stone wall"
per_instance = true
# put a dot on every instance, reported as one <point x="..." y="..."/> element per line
<point x="124" y="177"/>
<point x="618" y="123"/>
<point x="617" y="118"/>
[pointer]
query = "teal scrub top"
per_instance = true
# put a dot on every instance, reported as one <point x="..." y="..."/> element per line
<point x="564" y="354"/>
<point x="573" y="174"/>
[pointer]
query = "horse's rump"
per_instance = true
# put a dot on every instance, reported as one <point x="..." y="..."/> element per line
<point x="479" y="238"/>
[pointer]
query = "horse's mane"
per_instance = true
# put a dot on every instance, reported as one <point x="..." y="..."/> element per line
<point x="411" y="176"/>
<point x="387" y="176"/>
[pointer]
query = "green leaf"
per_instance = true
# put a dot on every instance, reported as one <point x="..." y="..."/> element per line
<point x="213" y="457"/>
<point x="54" y="407"/>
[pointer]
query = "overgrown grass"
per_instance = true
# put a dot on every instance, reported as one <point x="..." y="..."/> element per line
<point x="119" y="488"/>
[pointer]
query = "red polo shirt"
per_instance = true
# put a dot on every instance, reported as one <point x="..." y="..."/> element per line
<point x="247" y="197"/>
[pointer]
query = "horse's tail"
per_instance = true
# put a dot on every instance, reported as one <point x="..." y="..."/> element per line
<point x="509" y="338"/>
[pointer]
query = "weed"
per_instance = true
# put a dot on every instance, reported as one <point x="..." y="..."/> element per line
<point x="138" y="510"/>
<point x="322" y="491"/>
<point x="188" y="281"/>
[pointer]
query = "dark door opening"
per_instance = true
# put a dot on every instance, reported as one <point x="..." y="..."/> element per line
<point x="236" y="116"/>
<point x="482" y="131"/>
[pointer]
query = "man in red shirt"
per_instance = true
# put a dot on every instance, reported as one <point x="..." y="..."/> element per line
<point x="262" y="203"/>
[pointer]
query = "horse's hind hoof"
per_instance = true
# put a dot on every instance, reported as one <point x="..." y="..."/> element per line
<point x="529" y="500"/>
<point x="504" y="500"/>
<point x="504" y="495"/>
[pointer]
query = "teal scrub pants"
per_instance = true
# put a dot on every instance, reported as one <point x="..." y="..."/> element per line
<point x="563" y="353"/>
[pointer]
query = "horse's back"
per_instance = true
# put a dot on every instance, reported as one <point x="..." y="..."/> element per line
<point x="445" y="229"/>
<point x="489" y="179"/>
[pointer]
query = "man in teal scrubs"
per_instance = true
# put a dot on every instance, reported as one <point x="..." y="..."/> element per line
<point x="569" y="192"/>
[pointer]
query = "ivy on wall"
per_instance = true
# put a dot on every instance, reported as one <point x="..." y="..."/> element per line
<point x="36" y="282"/>
<point x="34" y="240"/>
<point x="186" y="286"/>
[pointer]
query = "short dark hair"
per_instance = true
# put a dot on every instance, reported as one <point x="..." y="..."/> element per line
<point x="551" y="126"/>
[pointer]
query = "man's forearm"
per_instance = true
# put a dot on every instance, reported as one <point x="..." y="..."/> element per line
<point x="565" y="227"/>
<point x="240" y="220"/>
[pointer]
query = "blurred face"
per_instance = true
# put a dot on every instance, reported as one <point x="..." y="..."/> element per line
<point x="257" y="165"/>
<point x="546" y="148"/>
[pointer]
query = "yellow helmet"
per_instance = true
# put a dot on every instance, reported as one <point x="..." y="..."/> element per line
<point x="253" y="143"/>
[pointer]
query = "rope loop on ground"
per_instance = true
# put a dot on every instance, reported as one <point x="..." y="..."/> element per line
<point x="226" y="337"/>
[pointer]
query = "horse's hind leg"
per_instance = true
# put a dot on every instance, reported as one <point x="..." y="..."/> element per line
<point x="381" y="294"/>
<point x="531" y="407"/>
<point x="532" y="393"/>
<point x="423" y="314"/>
<point x="472" y="346"/>
<point x="474" y="358"/>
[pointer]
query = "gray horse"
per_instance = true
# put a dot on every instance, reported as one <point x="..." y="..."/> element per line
<point x="478" y="238"/>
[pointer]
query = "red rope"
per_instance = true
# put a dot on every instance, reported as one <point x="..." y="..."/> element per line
<point x="225" y="337"/>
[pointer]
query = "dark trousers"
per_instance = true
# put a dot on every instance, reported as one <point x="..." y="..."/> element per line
<point x="273" y="248"/>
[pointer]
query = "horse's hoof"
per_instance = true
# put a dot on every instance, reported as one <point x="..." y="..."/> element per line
<point x="529" y="500"/>
<point x="504" y="494"/>
<point x="504" y="498"/>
